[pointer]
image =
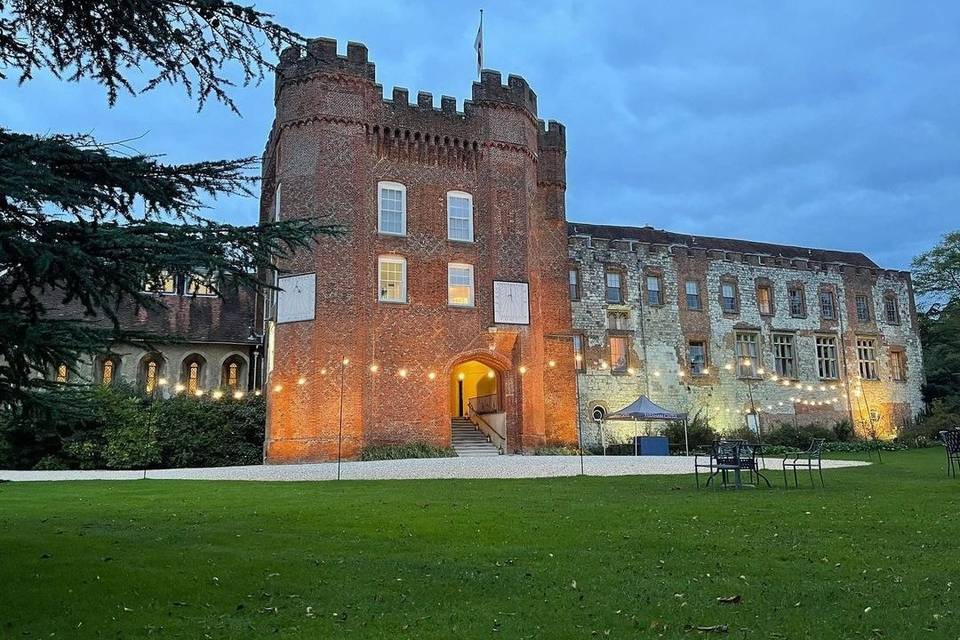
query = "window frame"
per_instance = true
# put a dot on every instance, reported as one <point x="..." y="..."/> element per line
<point x="898" y="365"/>
<point x="392" y="259"/>
<point x="802" y="311"/>
<point x="470" y="227"/>
<point x="579" y="343"/>
<point x="658" y="280"/>
<point x="754" y="358"/>
<point x="573" y="283"/>
<point x="828" y="356"/>
<point x="779" y="343"/>
<point x="887" y="299"/>
<point x="833" y="304"/>
<point x="736" y="297"/>
<point x="473" y="287"/>
<point x="205" y="281"/>
<point x="164" y="276"/>
<point x="857" y="297"/>
<point x="392" y="186"/>
<point x="621" y="296"/>
<point x="768" y="289"/>
<point x="625" y="340"/>
<point x="867" y="365"/>
<point x="687" y="294"/>
<point x="705" y="364"/>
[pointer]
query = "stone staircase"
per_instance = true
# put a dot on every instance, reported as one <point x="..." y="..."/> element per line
<point x="470" y="442"/>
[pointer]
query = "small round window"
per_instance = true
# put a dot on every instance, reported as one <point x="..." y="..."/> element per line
<point x="599" y="413"/>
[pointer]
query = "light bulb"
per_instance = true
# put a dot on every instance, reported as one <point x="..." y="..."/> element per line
<point x="491" y="374"/>
<point x="402" y="373"/>
<point x="432" y="375"/>
<point x="345" y="361"/>
<point x="198" y="392"/>
<point x="522" y="370"/>
<point x="552" y="363"/>
<point x="237" y="395"/>
<point x="302" y="381"/>
<point x="278" y="388"/>
<point x="216" y="395"/>
<point x="460" y="376"/>
<point x="374" y="368"/>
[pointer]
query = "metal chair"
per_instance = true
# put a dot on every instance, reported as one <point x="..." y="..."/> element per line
<point x="724" y="457"/>
<point x="812" y="457"/>
<point x="951" y="442"/>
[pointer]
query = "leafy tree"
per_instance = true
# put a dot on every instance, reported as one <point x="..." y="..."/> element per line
<point x="937" y="275"/>
<point x="84" y="224"/>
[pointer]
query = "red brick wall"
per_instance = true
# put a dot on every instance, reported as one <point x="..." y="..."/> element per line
<point x="333" y="140"/>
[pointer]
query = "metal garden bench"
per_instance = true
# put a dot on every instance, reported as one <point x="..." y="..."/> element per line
<point x="951" y="442"/>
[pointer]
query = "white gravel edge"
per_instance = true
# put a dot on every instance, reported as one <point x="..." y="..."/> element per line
<point x="499" y="467"/>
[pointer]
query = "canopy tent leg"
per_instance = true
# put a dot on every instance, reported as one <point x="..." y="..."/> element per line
<point x="686" y="438"/>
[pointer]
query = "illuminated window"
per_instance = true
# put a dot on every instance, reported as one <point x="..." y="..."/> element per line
<point x="574" y="276"/>
<point x="798" y="302"/>
<point x="827" y="308"/>
<point x="460" y="285"/>
<point x="200" y="285"/>
<point x="392" y="207"/>
<point x="392" y="279"/>
<point x="827" y="358"/>
<point x="618" y="354"/>
<point x="460" y="216"/>
<point x="697" y="357"/>
<point x="891" y="309"/>
<point x="784" y="355"/>
<point x="108" y="371"/>
<point x="191" y="373"/>
<point x="233" y="375"/>
<point x="166" y="283"/>
<point x="150" y="376"/>
<point x="614" y="291"/>
<point x="63" y="373"/>
<point x="728" y="297"/>
<point x="692" y="289"/>
<point x="898" y="365"/>
<point x="765" y="300"/>
<point x="863" y="308"/>
<point x="867" y="358"/>
<point x="193" y="377"/>
<point x="654" y="291"/>
<point x="747" y="350"/>
<point x="579" y="357"/>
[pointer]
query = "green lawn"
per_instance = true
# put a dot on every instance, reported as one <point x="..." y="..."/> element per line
<point x="874" y="555"/>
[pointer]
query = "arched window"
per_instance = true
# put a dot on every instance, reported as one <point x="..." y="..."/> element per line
<point x="192" y="373"/>
<point x="151" y="369"/>
<point x="63" y="373"/>
<point x="233" y="375"/>
<point x="108" y="369"/>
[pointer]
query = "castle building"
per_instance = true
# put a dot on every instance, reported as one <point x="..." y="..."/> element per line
<point x="458" y="291"/>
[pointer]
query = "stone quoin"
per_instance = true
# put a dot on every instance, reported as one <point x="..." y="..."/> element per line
<point x="458" y="288"/>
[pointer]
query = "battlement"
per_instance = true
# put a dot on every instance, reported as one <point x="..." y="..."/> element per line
<point x="551" y="135"/>
<point x="516" y="92"/>
<point x="321" y="54"/>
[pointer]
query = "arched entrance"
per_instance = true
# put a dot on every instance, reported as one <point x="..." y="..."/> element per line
<point x="474" y="384"/>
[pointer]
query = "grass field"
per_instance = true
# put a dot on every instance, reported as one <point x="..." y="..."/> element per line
<point x="874" y="555"/>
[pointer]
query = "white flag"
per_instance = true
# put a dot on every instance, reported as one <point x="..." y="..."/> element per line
<point x="478" y="45"/>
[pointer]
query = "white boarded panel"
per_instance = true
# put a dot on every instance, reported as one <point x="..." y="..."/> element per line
<point x="296" y="298"/>
<point x="511" y="302"/>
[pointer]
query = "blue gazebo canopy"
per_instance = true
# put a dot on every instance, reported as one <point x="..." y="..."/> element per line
<point x="644" y="409"/>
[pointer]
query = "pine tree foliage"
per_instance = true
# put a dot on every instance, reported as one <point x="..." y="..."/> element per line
<point x="86" y="225"/>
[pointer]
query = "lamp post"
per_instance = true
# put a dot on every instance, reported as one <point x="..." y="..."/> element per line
<point x="343" y="368"/>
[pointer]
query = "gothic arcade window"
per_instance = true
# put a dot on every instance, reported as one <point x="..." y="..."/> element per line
<point x="232" y="374"/>
<point x="191" y="374"/>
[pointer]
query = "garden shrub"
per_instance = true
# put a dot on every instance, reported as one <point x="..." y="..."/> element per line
<point x="843" y="431"/>
<point x="556" y="449"/>
<point x="699" y="432"/>
<point x="404" y="451"/>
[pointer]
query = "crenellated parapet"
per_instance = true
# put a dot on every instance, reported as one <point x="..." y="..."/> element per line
<point x="320" y="55"/>
<point x="551" y="136"/>
<point x="516" y="92"/>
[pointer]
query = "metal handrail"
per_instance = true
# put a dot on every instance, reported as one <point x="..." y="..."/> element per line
<point x="485" y="404"/>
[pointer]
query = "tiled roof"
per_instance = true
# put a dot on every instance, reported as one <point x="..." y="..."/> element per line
<point x="659" y="236"/>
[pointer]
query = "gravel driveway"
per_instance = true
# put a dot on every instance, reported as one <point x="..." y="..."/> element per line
<point x="494" y="467"/>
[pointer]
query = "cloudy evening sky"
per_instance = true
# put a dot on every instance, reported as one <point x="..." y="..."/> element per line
<point x="822" y="124"/>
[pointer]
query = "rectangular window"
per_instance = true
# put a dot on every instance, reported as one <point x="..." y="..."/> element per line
<point x="574" y="284"/>
<point x="654" y="292"/>
<point x="693" y="295"/>
<point x="747" y="352"/>
<point x="392" y="279"/>
<point x="898" y="365"/>
<point x="578" y="355"/>
<point x="200" y="285"/>
<point x="891" y="309"/>
<point x="798" y="303"/>
<point x="697" y="357"/>
<point x="827" y="309"/>
<point x="863" y="308"/>
<point x="867" y="358"/>
<point x="460" y="216"/>
<point x="827" y="358"/>
<point x="764" y="300"/>
<point x="460" y="285"/>
<point x="784" y="355"/>
<point x="167" y="284"/>
<point x="618" y="354"/>
<point x="276" y="204"/>
<point x="614" y="293"/>
<point x="392" y="206"/>
<point x="728" y="297"/>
